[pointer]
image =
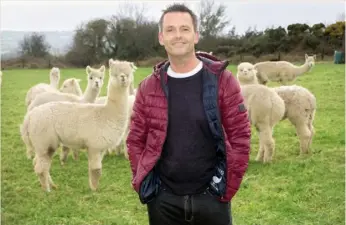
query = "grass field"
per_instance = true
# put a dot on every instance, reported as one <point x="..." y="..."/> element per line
<point x="292" y="190"/>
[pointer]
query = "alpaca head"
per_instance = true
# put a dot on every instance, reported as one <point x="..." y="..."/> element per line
<point x="54" y="75"/>
<point x="246" y="72"/>
<point x="71" y="86"/>
<point x="95" y="77"/>
<point x="121" y="73"/>
<point x="310" y="60"/>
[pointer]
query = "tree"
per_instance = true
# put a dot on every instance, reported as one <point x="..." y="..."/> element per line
<point x="34" y="45"/>
<point x="212" y="19"/>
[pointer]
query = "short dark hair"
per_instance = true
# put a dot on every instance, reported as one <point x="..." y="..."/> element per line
<point x="179" y="7"/>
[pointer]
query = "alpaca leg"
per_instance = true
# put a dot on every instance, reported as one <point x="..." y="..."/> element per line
<point x="95" y="168"/>
<point x="29" y="152"/>
<point x="63" y="155"/>
<point x="118" y="149"/>
<point x="42" y="167"/>
<point x="312" y="133"/>
<point x="54" y="186"/>
<point x="305" y="136"/>
<point x="311" y="128"/>
<point x="126" y="154"/>
<point x="75" y="154"/>
<point x="260" y="153"/>
<point x="268" y="144"/>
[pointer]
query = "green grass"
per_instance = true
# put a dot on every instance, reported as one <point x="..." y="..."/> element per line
<point x="292" y="190"/>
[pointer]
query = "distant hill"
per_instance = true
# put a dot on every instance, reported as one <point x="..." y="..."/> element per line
<point x="59" y="41"/>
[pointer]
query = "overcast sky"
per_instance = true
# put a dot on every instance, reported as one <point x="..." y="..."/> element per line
<point x="47" y="15"/>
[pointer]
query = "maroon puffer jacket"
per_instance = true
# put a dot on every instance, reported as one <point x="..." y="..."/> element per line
<point x="149" y="122"/>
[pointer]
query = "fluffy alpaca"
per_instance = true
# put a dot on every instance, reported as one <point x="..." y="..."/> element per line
<point x="95" y="127"/>
<point x="282" y="71"/>
<point x="246" y="74"/>
<point x="266" y="109"/>
<point x="72" y="86"/>
<point x="54" y="77"/>
<point x="300" y="105"/>
<point x="122" y="146"/>
<point x="132" y="85"/>
<point x="95" y="83"/>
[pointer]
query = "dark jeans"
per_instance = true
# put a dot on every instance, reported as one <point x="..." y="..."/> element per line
<point x="199" y="209"/>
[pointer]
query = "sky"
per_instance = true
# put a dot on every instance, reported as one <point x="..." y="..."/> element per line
<point x="49" y="15"/>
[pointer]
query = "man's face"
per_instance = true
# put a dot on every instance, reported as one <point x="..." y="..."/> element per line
<point x="178" y="34"/>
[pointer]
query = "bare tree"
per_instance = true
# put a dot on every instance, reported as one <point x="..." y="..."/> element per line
<point x="212" y="18"/>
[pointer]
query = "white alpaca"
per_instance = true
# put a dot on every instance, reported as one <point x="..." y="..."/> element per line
<point x="72" y="86"/>
<point x="95" y="127"/>
<point x="282" y="71"/>
<point x="122" y="145"/>
<point x="300" y="105"/>
<point x="246" y="73"/>
<point x="265" y="108"/>
<point x="54" y="77"/>
<point x="95" y="82"/>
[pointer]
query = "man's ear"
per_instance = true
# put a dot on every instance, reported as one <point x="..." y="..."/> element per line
<point x="196" y="37"/>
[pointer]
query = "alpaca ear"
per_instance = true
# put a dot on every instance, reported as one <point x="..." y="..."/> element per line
<point x="88" y="69"/>
<point x="315" y="57"/>
<point x="306" y="56"/>
<point x="133" y="66"/>
<point x="102" y="68"/>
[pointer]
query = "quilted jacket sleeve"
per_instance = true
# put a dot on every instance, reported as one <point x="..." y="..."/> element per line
<point x="137" y="136"/>
<point x="237" y="127"/>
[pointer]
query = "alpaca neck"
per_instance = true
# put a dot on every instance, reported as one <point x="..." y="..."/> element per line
<point x="302" y="69"/>
<point x="252" y="80"/>
<point x="54" y="83"/>
<point x="117" y="99"/>
<point x="90" y="94"/>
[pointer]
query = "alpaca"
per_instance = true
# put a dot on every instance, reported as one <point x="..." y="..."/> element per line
<point x="72" y="86"/>
<point x="102" y="100"/>
<point x="95" y="127"/>
<point x="132" y="85"/>
<point x="95" y="83"/>
<point x="41" y="87"/>
<point x="300" y="105"/>
<point x="246" y="74"/>
<point x="122" y="146"/>
<point x="266" y="109"/>
<point x="282" y="71"/>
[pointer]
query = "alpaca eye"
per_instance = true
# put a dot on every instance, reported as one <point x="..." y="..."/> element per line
<point x="90" y="78"/>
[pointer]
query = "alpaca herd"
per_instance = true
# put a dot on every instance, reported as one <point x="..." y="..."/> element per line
<point x="267" y="106"/>
<point x="78" y="121"/>
<point x="69" y="118"/>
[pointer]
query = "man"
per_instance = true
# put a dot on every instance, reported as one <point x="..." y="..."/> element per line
<point x="189" y="136"/>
